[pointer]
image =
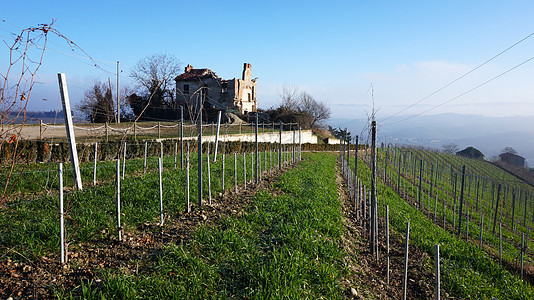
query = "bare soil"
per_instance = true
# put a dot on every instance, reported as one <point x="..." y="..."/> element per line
<point x="367" y="277"/>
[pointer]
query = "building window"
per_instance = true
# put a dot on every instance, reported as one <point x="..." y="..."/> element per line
<point x="186" y="88"/>
<point x="249" y="97"/>
<point x="224" y="87"/>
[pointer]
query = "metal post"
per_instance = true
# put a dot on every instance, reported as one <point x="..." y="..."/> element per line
<point x="209" y="175"/>
<point x="199" y="148"/>
<point x="257" y="176"/>
<point x="118" y="193"/>
<point x="217" y="136"/>
<point x="187" y="179"/>
<point x="124" y="161"/>
<point x="387" y="242"/>
<point x="182" y="137"/>
<point x="70" y="129"/>
<point x="61" y="216"/>
<point x="160" y="163"/>
<point x="405" y="285"/>
<point x="146" y="152"/>
<point x="461" y="200"/>
<point x="436" y="262"/>
<point x="280" y="148"/>
<point x="235" y="171"/>
<point x="118" y="97"/>
<point x="245" y="170"/>
<point x="159" y="130"/>
<point x="96" y="159"/>
<point x="373" y="211"/>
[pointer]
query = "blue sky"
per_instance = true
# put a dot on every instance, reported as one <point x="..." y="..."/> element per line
<point x="335" y="51"/>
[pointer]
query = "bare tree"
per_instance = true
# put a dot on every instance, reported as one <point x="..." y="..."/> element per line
<point x="97" y="104"/>
<point x="289" y="96"/>
<point x="509" y="150"/>
<point x="450" y="148"/>
<point x="318" y="111"/>
<point x="156" y="73"/>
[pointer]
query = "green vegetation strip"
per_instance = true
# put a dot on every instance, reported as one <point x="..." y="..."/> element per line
<point x="467" y="272"/>
<point x="285" y="246"/>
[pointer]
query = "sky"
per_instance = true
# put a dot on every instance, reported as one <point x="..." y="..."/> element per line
<point x="347" y="54"/>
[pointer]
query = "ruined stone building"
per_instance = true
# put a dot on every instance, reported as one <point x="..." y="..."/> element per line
<point x="232" y="95"/>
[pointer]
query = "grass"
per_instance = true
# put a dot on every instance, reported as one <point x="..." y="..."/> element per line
<point x="467" y="272"/>
<point x="283" y="247"/>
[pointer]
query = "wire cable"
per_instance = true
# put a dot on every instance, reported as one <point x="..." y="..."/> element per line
<point x="459" y="78"/>
<point x="462" y="94"/>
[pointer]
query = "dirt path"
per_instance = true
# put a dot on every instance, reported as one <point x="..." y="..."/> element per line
<point x="367" y="277"/>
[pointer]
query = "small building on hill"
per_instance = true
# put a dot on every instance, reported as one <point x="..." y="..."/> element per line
<point x="232" y="95"/>
<point x="512" y="159"/>
<point x="471" y="152"/>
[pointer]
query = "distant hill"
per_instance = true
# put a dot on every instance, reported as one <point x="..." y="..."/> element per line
<point x="50" y="117"/>
<point x="488" y="134"/>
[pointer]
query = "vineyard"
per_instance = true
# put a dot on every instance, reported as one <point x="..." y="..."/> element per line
<point x="276" y="224"/>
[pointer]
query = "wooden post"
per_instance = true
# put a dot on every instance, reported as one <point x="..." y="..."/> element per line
<point x="135" y="130"/>
<point x="40" y="129"/>
<point x="70" y="129"/>
<point x="107" y="133"/>
<point x="159" y="130"/>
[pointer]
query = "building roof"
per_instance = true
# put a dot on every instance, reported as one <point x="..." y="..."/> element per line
<point x="195" y="74"/>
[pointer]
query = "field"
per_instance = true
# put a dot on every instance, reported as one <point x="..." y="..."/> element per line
<point x="294" y="234"/>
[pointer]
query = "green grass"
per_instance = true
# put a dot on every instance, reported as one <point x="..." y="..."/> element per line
<point x="467" y="272"/>
<point x="29" y="221"/>
<point x="283" y="247"/>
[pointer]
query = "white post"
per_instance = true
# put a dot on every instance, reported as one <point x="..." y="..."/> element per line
<point x="175" y="155"/>
<point x="160" y="192"/>
<point x="61" y="216"/>
<point x="96" y="159"/>
<point x="124" y="161"/>
<point x="436" y="262"/>
<point x="119" y="229"/>
<point x="187" y="179"/>
<point x="217" y="136"/>
<point x="405" y="286"/>
<point x="209" y="175"/>
<point x="144" y="163"/>
<point x="70" y="129"/>
<point x="118" y="98"/>
<point x="245" y="170"/>
<point x="387" y="242"/>
<point x="235" y="171"/>
<point x="222" y="175"/>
